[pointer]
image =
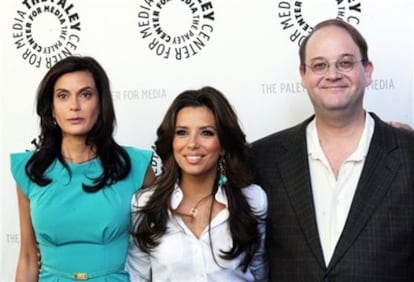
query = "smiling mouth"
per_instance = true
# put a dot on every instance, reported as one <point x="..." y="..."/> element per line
<point x="335" y="86"/>
<point x="193" y="159"/>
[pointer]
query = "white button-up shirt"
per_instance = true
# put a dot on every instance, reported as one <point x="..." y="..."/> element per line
<point x="333" y="197"/>
<point x="183" y="257"/>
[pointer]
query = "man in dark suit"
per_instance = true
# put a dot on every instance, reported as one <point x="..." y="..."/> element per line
<point x="340" y="184"/>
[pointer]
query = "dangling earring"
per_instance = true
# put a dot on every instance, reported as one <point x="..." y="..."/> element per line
<point x="222" y="172"/>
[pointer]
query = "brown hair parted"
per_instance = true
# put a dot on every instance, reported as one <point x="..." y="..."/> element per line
<point x="151" y="224"/>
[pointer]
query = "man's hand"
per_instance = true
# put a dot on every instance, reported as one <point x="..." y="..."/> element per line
<point x="398" y="124"/>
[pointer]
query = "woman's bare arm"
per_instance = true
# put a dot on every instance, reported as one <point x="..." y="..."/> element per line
<point x="27" y="266"/>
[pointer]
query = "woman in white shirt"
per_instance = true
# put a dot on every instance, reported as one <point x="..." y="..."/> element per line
<point x="204" y="219"/>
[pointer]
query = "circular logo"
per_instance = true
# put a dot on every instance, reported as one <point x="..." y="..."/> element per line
<point x="45" y="32"/>
<point x="176" y="29"/>
<point x="298" y="17"/>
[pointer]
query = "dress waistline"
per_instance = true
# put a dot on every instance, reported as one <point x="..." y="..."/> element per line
<point x="81" y="276"/>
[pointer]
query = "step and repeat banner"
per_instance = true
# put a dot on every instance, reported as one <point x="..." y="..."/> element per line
<point x="154" y="49"/>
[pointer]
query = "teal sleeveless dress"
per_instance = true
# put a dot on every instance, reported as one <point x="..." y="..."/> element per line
<point x="81" y="235"/>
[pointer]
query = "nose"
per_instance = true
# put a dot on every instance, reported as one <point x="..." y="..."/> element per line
<point x="74" y="104"/>
<point x="333" y="72"/>
<point x="193" y="142"/>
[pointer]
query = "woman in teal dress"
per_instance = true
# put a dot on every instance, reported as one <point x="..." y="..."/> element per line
<point x="74" y="191"/>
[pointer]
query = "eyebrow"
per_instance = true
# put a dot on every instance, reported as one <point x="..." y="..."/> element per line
<point x="87" y="88"/>
<point x="201" y="127"/>
<point x="80" y="90"/>
<point x="341" y="56"/>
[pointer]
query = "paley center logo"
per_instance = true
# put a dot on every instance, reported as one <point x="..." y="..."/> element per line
<point x="297" y="18"/>
<point x="46" y="31"/>
<point x="176" y="29"/>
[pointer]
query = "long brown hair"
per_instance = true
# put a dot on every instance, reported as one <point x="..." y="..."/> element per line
<point x="152" y="220"/>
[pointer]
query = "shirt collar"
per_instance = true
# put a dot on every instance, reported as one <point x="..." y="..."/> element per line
<point x="315" y="150"/>
<point x="178" y="195"/>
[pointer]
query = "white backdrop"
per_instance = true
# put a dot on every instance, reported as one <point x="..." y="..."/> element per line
<point x="245" y="48"/>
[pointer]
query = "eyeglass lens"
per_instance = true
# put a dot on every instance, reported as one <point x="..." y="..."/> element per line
<point x="344" y="64"/>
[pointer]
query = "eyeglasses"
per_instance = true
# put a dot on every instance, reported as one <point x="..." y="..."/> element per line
<point x="344" y="64"/>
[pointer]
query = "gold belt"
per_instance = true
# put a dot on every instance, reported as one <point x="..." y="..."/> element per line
<point x="81" y="276"/>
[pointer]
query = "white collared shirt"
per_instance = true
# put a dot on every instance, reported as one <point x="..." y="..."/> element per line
<point x="333" y="197"/>
<point x="183" y="257"/>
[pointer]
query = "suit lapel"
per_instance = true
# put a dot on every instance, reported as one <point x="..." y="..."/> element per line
<point x="379" y="168"/>
<point x="294" y="169"/>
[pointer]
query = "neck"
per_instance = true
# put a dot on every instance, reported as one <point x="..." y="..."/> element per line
<point x="333" y="128"/>
<point x="339" y="140"/>
<point x="76" y="151"/>
<point x="196" y="187"/>
<point x="195" y="202"/>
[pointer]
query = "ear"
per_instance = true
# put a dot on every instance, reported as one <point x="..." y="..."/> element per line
<point x="302" y="72"/>
<point x="368" y="69"/>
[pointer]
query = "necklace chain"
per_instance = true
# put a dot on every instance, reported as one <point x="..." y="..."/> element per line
<point x="69" y="159"/>
<point x="193" y="211"/>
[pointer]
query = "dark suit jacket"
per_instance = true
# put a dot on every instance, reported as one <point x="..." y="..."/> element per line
<point x="377" y="243"/>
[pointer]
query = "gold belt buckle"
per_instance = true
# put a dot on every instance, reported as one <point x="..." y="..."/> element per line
<point x="80" y="276"/>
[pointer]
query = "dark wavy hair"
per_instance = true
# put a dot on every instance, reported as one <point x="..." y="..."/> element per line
<point x="152" y="221"/>
<point x="351" y="30"/>
<point x="115" y="160"/>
